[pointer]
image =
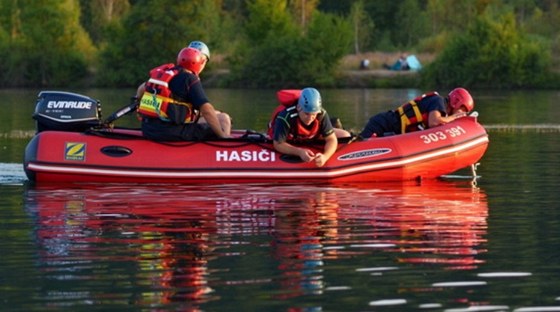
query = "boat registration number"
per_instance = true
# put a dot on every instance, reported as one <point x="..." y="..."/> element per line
<point x="437" y="136"/>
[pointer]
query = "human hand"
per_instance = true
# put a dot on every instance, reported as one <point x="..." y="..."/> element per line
<point x="306" y="155"/>
<point x="459" y="115"/>
<point x="320" y="160"/>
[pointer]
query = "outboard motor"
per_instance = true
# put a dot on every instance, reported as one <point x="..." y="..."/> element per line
<point x="66" y="111"/>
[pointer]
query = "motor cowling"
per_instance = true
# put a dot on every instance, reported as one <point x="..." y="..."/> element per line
<point x="66" y="111"/>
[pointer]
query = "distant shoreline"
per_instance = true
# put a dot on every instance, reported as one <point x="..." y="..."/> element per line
<point x="359" y="78"/>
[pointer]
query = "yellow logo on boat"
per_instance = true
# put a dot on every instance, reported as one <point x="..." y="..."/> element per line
<point x="75" y="151"/>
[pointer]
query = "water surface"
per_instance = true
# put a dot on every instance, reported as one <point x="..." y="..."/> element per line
<point x="443" y="245"/>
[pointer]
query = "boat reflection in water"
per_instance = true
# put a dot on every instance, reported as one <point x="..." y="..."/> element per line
<point x="188" y="245"/>
<point x="435" y="223"/>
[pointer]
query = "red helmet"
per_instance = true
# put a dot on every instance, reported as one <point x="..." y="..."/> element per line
<point x="460" y="97"/>
<point x="191" y="59"/>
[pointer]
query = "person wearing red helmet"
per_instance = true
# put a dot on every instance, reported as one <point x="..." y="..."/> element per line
<point x="173" y="100"/>
<point x="426" y="111"/>
<point x="224" y="118"/>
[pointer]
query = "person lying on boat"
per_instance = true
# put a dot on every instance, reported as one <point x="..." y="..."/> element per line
<point x="304" y="121"/>
<point x="426" y="111"/>
<point x="224" y="118"/>
<point x="173" y="99"/>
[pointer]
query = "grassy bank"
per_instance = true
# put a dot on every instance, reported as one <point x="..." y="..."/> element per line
<point x="349" y="74"/>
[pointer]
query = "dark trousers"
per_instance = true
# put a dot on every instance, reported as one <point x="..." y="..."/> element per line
<point x="382" y="124"/>
<point x="158" y="130"/>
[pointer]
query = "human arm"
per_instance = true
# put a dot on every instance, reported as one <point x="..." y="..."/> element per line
<point x="280" y="134"/>
<point x="435" y="118"/>
<point x="307" y="155"/>
<point x="140" y="90"/>
<point x="331" y="143"/>
<point x="224" y="119"/>
<point x="282" y="129"/>
<point x="284" y="147"/>
<point x="209" y="114"/>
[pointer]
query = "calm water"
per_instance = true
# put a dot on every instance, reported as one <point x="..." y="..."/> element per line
<point x="439" y="246"/>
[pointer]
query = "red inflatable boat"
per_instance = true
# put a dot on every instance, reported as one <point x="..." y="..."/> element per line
<point x="67" y="149"/>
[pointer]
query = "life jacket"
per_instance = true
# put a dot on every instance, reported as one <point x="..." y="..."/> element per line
<point x="288" y="101"/>
<point x="287" y="98"/>
<point x="303" y="132"/>
<point x="412" y="119"/>
<point x="300" y="131"/>
<point x="157" y="96"/>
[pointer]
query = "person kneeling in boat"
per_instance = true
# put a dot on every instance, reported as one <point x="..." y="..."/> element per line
<point x="304" y="121"/>
<point x="426" y="111"/>
<point x="173" y="99"/>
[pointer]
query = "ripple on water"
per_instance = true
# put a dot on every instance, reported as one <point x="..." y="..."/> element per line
<point x="480" y="308"/>
<point x="12" y="173"/>
<point x="376" y="269"/>
<point x="379" y="245"/>
<point x="430" y="306"/>
<point x="538" y="309"/>
<point x="504" y="274"/>
<point x="387" y="302"/>
<point x="459" y="284"/>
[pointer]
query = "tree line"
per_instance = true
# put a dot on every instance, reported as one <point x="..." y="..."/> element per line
<point x="277" y="43"/>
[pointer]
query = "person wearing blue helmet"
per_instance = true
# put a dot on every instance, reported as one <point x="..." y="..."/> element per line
<point x="223" y="118"/>
<point x="301" y="123"/>
<point x="202" y="47"/>
<point x="172" y="100"/>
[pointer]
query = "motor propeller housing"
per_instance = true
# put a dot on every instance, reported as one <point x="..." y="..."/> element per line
<point x="66" y="111"/>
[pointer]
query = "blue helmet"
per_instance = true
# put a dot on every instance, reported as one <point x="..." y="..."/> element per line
<point x="310" y="100"/>
<point x="200" y="46"/>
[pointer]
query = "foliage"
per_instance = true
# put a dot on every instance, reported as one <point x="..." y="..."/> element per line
<point x="131" y="54"/>
<point x="409" y="32"/>
<point x="283" y="56"/>
<point x="116" y="42"/>
<point x="97" y="16"/>
<point x="363" y="26"/>
<point x="268" y="19"/>
<point x="491" y="53"/>
<point x="149" y="38"/>
<point x="46" y="44"/>
<point x="302" y="10"/>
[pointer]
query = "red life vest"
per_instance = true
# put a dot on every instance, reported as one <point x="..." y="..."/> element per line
<point x="303" y="132"/>
<point x="157" y="96"/>
<point x="412" y="119"/>
<point x="287" y="98"/>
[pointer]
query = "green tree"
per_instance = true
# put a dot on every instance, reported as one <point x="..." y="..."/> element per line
<point x="302" y="10"/>
<point x="284" y="56"/>
<point x="98" y="15"/>
<point x="46" y="45"/>
<point x="143" y="41"/>
<point x="269" y="29"/>
<point x="493" y="53"/>
<point x="268" y="18"/>
<point x="147" y="38"/>
<point x="362" y="24"/>
<point x="411" y="24"/>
